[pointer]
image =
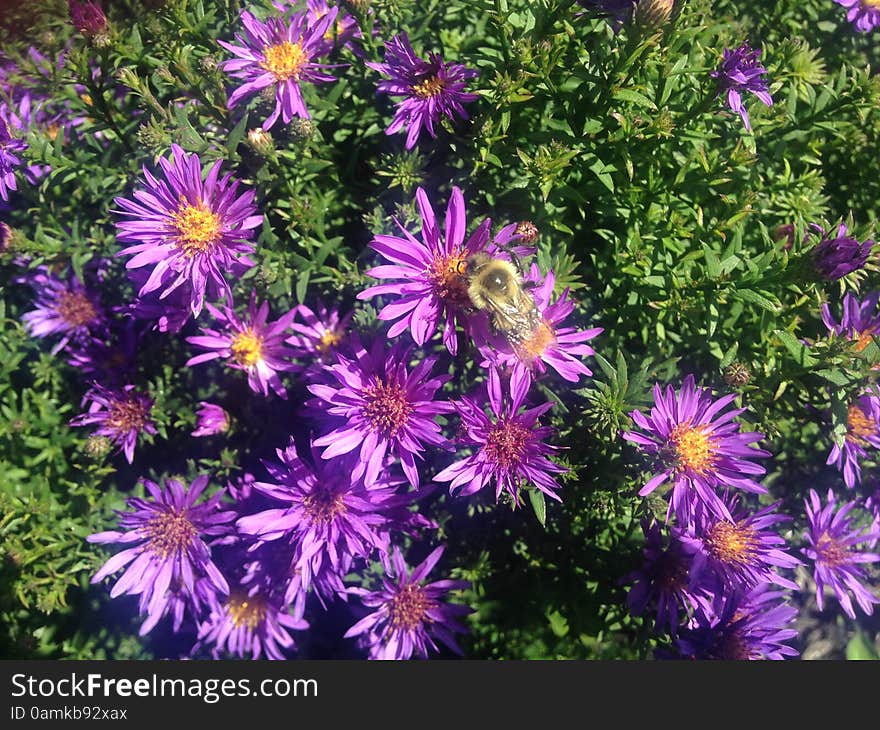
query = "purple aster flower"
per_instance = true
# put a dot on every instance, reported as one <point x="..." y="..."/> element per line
<point x="168" y="312"/>
<point x="863" y="14"/>
<point x="747" y="626"/>
<point x="833" y="539"/>
<point x="122" y="414"/>
<point x="251" y="344"/>
<point x="248" y="624"/>
<point x="860" y="320"/>
<point x="321" y="334"/>
<point x="340" y="33"/>
<point x="547" y="343"/>
<point x="863" y="431"/>
<point x="279" y="53"/>
<point x="9" y="160"/>
<point x="430" y="285"/>
<point x="87" y="17"/>
<point x="410" y="616"/>
<point x="664" y="581"/>
<point x="387" y="409"/>
<point x="328" y="518"/>
<point x="193" y="230"/>
<point x="835" y="257"/>
<point x="212" y="419"/>
<point x="741" y="71"/>
<point x="698" y="447"/>
<point x="110" y="356"/>
<point x="508" y="447"/>
<point x="64" y="307"/>
<point x="430" y="88"/>
<point x="740" y="553"/>
<point x="171" y="554"/>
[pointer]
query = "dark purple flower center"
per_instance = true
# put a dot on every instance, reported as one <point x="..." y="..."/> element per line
<point x="506" y="444"/>
<point x="170" y="533"/>
<point x="198" y="229"/>
<point x="448" y="281"/>
<point x="860" y="425"/>
<point x="128" y="413"/>
<point x="830" y="552"/>
<point x="732" y="646"/>
<point x="247" y="611"/>
<point x="284" y="60"/>
<point x="323" y="506"/>
<point x="694" y="450"/>
<point x="75" y="308"/>
<point x="408" y="607"/>
<point x="386" y="407"/>
<point x="672" y="573"/>
<point x="429" y="87"/>
<point x="732" y="544"/>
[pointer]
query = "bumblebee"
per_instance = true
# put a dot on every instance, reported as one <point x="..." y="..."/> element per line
<point x="495" y="286"/>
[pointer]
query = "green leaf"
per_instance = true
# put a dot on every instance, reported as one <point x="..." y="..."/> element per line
<point x="536" y="497"/>
<point x="799" y="351"/>
<point x="753" y="297"/>
<point x="859" y="649"/>
<point x="636" y="97"/>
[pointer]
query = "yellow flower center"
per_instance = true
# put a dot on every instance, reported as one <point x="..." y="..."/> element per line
<point x="506" y="444"/>
<point x="170" y="533"/>
<point x="860" y="425"/>
<point x="830" y="551"/>
<point x="448" y="280"/>
<point x="866" y="337"/>
<point x="328" y="341"/>
<point x="126" y="415"/>
<point x="198" y="228"/>
<point x="872" y="3"/>
<point x="75" y="308"/>
<point x="732" y="544"/>
<point x="386" y="406"/>
<point x="284" y="60"/>
<point x="693" y="447"/>
<point x="426" y="88"/>
<point x="408" y="608"/>
<point x="247" y="348"/>
<point x="534" y="346"/>
<point x="322" y="506"/>
<point x="247" y="611"/>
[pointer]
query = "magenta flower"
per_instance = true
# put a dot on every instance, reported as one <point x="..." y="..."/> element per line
<point x="509" y="446"/>
<point x="741" y="71"/>
<point x="860" y="320"/>
<point x="193" y="230"/>
<point x="833" y="547"/>
<point x="863" y="432"/>
<point x="698" y="447"/>
<point x="279" y="53"/>
<point x="328" y="517"/>
<point x="9" y="159"/>
<point x="212" y="419"/>
<point x="87" y="17"/>
<point x="64" y="307"/>
<point x="341" y="32"/>
<point x="122" y="414"/>
<point x="838" y="255"/>
<point x="410" y="616"/>
<point x="171" y="555"/>
<point x="549" y="343"/>
<point x="320" y="335"/>
<point x="429" y="283"/>
<point x="430" y="89"/>
<point x="388" y="410"/>
<point x="251" y="344"/>
<point x="863" y="14"/>
<point x="664" y="581"/>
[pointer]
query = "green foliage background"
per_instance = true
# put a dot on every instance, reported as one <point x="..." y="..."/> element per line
<point x="654" y="205"/>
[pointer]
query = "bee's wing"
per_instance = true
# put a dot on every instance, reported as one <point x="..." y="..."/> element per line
<point x="512" y="316"/>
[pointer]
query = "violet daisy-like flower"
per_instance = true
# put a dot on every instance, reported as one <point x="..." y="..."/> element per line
<point x="698" y="447"/>
<point x="66" y="307"/>
<point x="388" y="410"/>
<point x="321" y="334"/>
<point x="860" y="320"/>
<point x="863" y="432"/>
<point x="9" y="159"/>
<point x="252" y="344"/>
<point x="171" y="555"/>
<point x="281" y="54"/>
<point x="834" y="542"/>
<point x="87" y="17"/>
<point x="122" y="414"/>
<point x="212" y="419"/>
<point x="328" y="518"/>
<point x="863" y="14"/>
<point x="836" y="256"/>
<point x="548" y="343"/>
<point x="410" y="616"/>
<point x="738" y="553"/>
<point x="740" y="71"/>
<point x="193" y="230"/>
<point x="343" y="30"/>
<point x="664" y="581"/>
<point x="509" y="446"/>
<point x="748" y="626"/>
<point x="430" y="88"/>
<point x="429" y="283"/>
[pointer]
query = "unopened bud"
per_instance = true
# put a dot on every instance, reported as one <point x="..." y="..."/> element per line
<point x="528" y="231"/>
<point x="260" y="141"/>
<point x="737" y="375"/>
